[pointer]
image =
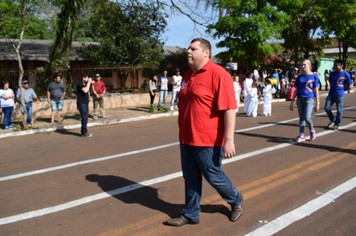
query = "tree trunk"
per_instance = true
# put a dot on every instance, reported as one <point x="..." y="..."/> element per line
<point x="345" y="54"/>
<point x="17" y="49"/>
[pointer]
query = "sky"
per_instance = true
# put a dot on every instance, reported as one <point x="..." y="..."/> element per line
<point x="180" y="31"/>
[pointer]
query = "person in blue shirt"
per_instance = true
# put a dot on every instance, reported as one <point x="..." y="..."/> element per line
<point x="340" y="82"/>
<point x="28" y="96"/>
<point x="307" y="89"/>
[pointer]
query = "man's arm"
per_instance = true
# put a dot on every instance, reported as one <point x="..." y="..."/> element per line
<point x="48" y="97"/>
<point x="95" y="93"/>
<point x="87" y="87"/>
<point x="229" y="145"/>
<point x="64" y="93"/>
<point x="349" y="82"/>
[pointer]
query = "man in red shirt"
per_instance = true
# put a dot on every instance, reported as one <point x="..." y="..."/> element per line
<point x="99" y="91"/>
<point x="206" y="131"/>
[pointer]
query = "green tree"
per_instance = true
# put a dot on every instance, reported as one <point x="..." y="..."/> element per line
<point x="65" y="26"/>
<point x="10" y="23"/>
<point x="305" y="21"/>
<point x="248" y="30"/>
<point x="175" y="60"/>
<point x="85" y="30"/>
<point x="129" y="34"/>
<point x="23" y="9"/>
<point x="341" y="21"/>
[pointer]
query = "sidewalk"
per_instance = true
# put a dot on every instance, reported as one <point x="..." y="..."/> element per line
<point x="72" y="121"/>
<point x="113" y="116"/>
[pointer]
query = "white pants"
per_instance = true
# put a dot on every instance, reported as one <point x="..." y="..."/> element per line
<point x="237" y="96"/>
<point x="252" y="108"/>
<point x="247" y="101"/>
<point x="267" y="104"/>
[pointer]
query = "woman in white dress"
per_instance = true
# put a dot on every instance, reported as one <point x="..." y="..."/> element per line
<point x="252" y="108"/>
<point x="247" y="90"/>
<point x="267" y="98"/>
<point x="237" y="93"/>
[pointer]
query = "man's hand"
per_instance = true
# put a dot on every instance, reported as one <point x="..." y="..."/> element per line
<point x="49" y="101"/>
<point x="229" y="145"/>
<point x="228" y="149"/>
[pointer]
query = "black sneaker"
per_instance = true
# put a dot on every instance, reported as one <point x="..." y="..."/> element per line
<point x="331" y="124"/>
<point x="87" y="135"/>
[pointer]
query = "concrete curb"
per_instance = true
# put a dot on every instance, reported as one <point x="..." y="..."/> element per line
<point x="67" y="127"/>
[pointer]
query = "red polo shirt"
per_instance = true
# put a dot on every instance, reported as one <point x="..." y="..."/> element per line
<point x="99" y="87"/>
<point x="203" y="98"/>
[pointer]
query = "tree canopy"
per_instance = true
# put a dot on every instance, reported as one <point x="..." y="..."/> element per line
<point x="129" y="33"/>
<point x="10" y="23"/>
<point x="247" y="30"/>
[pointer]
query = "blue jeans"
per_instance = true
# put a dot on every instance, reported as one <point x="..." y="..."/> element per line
<point x="174" y="95"/>
<point x="7" y="115"/>
<point x="84" y="112"/>
<point x="305" y="108"/>
<point x="29" y="112"/>
<point x="330" y="100"/>
<point x="206" y="161"/>
<point x="162" y="95"/>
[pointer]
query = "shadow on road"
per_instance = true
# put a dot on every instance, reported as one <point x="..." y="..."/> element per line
<point x="67" y="132"/>
<point x="309" y="144"/>
<point x="145" y="109"/>
<point x="146" y="196"/>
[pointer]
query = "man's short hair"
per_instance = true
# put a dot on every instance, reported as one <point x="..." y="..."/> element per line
<point x="55" y="76"/>
<point x="204" y="44"/>
<point x="340" y="62"/>
<point x="84" y="75"/>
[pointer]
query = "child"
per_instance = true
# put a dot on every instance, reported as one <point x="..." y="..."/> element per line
<point x="267" y="98"/>
<point x="252" y="108"/>
<point x="237" y="93"/>
<point x="247" y="91"/>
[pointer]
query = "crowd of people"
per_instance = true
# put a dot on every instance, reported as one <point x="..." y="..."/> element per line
<point x="208" y="105"/>
<point x="250" y="87"/>
<point x="56" y="92"/>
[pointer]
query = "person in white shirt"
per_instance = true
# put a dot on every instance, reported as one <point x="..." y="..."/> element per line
<point x="176" y="82"/>
<point x="7" y="104"/>
<point x="247" y="90"/>
<point x="163" y="89"/>
<point x="256" y="74"/>
<point x="267" y="98"/>
<point x="252" y="107"/>
<point x="237" y="93"/>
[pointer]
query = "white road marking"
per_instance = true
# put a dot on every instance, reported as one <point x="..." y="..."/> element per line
<point x="35" y="172"/>
<point x="304" y="210"/>
<point x="41" y="171"/>
<point x="285" y="121"/>
<point x="81" y="201"/>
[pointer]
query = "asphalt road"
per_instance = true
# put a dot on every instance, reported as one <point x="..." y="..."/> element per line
<point x="126" y="180"/>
